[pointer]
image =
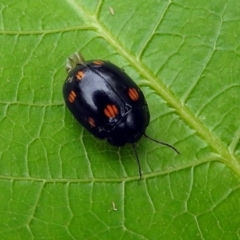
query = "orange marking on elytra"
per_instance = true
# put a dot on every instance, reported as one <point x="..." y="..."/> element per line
<point x="91" y="122"/>
<point x="98" y="62"/>
<point x="71" y="97"/>
<point x="79" y="75"/>
<point x="111" y="111"/>
<point x="133" y="94"/>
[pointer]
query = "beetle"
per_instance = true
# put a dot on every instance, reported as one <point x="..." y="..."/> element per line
<point x="107" y="102"/>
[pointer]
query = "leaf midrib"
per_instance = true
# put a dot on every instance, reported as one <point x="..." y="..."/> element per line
<point x="186" y="115"/>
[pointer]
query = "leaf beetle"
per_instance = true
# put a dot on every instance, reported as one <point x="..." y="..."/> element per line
<point x="107" y="102"/>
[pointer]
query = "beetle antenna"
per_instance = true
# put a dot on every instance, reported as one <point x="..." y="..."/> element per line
<point x="138" y="163"/>
<point x="163" y="143"/>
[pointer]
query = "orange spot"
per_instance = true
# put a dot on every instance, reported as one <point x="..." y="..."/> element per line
<point x="91" y="122"/>
<point x="71" y="97"/>
<point x="110" y="111"/>
<point x="98" y="62"/>
<point x="133" y="94"/>
<point x="79" y="75"/>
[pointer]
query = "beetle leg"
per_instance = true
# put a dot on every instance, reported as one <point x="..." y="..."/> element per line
<point x="138" y="163"/>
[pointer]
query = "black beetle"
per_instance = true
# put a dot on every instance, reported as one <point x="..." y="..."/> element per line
<point x="107" y="102"/>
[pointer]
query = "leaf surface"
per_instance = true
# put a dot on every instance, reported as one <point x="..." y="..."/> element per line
<point x="59" y="182"/>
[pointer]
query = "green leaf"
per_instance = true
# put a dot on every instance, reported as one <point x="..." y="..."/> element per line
<point x="59" y="182"/>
